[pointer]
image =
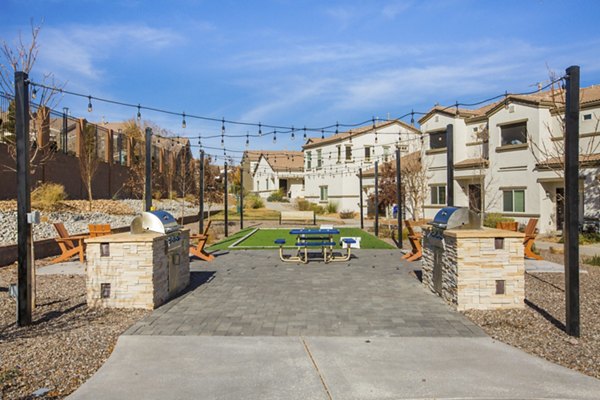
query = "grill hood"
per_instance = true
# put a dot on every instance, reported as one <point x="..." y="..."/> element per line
<point x="155" y="221"/>
<point x="456" y="217"/>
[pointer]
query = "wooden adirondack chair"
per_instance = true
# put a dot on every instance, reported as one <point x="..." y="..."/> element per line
<point x="415" y="242"/>
<point x="99" y="230"/>
<point x="69" y="245"/>
<point x="198" y="250"/>
<point x="530" y="239"/>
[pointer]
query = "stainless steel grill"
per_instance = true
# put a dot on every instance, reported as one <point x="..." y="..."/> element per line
<point x="451" y="218"/>
<point x="160" y="222"/>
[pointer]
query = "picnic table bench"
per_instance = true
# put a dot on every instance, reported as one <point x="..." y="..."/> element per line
<point x="314" y="238"/>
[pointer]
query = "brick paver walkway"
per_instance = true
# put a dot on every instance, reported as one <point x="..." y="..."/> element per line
<point x="253" y="293"/>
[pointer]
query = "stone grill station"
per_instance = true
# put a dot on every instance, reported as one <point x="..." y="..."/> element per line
<point x="472" y="267"/>
<point x="142" y="268"/>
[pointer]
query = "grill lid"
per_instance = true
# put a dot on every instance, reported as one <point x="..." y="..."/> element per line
<point x="155" y="221"/>
<point x="455" y="217"/>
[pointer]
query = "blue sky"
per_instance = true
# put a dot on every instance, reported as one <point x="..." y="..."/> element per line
<point x="300" y="62"/>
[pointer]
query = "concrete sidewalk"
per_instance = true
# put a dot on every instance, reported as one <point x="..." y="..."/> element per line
<point x="192" y="367"/>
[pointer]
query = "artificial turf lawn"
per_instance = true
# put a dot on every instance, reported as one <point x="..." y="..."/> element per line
<point x="264" y="238"/>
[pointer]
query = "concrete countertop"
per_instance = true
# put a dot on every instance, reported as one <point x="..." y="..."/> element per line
<point x="483" y="233"/>
<point x="125" y="237"/>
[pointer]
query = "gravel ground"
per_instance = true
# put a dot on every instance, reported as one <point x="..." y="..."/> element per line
<point x="66" y="343"/>
<point x="76" y="217"/>
<point x="539" y="328"/>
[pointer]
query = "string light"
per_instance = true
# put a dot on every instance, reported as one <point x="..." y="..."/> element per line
<point x="223" y="132"/>
<point x="275" y="136"/>
<point x="412" y="117"/>
<point x="139" y="113"/>
<point x="322" y="134"/>
<point x="259" y="129"/>
<point x="247" y="140"/>
<point x="337" y="125"/>
<point x="90" y="108"/>
<point x="305" y="132"/>
<point x="34" y="93"/>
<point x="293" y="135"/>
<point x="183" y="124"/>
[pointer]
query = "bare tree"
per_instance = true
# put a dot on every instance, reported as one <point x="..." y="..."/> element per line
<point x="414" y="183"/>
<point x="185" y="177"/>
<point x="22" y="56"/>
<point x="88" y="158"/>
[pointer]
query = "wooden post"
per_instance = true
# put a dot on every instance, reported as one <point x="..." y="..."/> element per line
<point x="24" y="255"/>
<point x="376" y="198"/>
<point x="399" y="196"/>
<point x="148" y="188"/>
<point x="360" y="195"/>
<point x="450" y="165"/>
<point x="201" y="191"/>
<point x="571" y="234"/>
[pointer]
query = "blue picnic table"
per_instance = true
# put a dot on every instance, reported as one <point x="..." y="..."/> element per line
<point x="313" y="238"/>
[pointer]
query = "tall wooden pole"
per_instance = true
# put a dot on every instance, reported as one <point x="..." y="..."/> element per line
<point x="201" y="191"/>
<point x="399" y="196"/>
<point x="571" y="234"/>
<point x="450" y="165"/>
<point x="148" y="189"/>
<point x="226" y="204"/>
<point x="24" y="242"/>
<point x="241" y="197"/>
<point x="360" y="184"/>
<point x="376" y="198"/>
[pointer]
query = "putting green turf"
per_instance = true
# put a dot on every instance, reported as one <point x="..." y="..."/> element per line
<point x="264" y="239"/>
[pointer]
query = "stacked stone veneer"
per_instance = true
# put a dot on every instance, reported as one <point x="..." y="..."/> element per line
<point x="472" y="268"/>
<point x="137" y="269"/>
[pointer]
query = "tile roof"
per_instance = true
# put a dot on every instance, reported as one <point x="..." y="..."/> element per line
<point x="314" y="142"/>
<point x="584" y="160"/>
<point x="552" y="97"/>
<point x="472" y="162"/>
<point x="280" y="161"/>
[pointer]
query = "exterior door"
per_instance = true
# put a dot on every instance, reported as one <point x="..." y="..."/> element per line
<point x="475" y="197"/>
<point x="560" y="208"/>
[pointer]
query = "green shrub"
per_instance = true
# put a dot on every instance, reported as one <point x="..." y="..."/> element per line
<point x="157" y="195"/>
<point x="491" y="219"/>
<point x="303" y="205"/>
<point x="317" y="209"/>
<point x="277" y="195"/>
<point x="595" y="260"/>
<point x="253" y="201"/>
<point x="585" y="238"/>
<point x="48" y="196"/>
<point x="332" y="208"/>
<point x="347" y="214"/>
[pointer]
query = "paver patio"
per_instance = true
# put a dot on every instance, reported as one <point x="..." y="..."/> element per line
<point x="252" y="293"/>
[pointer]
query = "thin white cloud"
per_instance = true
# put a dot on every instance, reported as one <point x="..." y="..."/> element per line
<point x="79" y="50"/>
<point x="395" y="8"/>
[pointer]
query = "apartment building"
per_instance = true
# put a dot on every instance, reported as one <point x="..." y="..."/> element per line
<point x="331" y="164"/>
<point x="508" y="157"/>
<point x="266" y="171"/>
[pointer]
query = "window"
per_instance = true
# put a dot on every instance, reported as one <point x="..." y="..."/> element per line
<point x="324" y="195"/>
<point x="514" y="134"/>
<point x="386" y="153"/>
<point x="258" y="186"/>
<point x="319" y="159"/>
<point x="514" y="200"/>
<point x="437" y="140"/>
<point x="308" y="160"/>
<point x="339" y="154"/>
<point x="587" y="117"/>
<point x="267" y="183"/>
<point x="348" y="153"/>
<point x="438" y="194"/>
<point x="367" y="154"/>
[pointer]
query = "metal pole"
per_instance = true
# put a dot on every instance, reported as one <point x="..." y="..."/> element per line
<point x="450" y="165"/>
<point x="376" y="198"/>
<point x="362" y="220"/>
<point x="63" y="139"/>
<point x="399" y="197"/>
<point x="241" y="196"/>
<point x="571" y="234"/>
<point x="24" y="259"/>
<point x="226" y="204"/>
<point x="148" y="189"/>
<point x="201" y="191"/>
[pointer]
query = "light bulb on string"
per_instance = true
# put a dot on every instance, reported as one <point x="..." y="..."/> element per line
<point x="139" y="113"/>
<point x="34" y="93"/>
<point x="350" y="136"/>
<point x="259" y="130"/>
<point x="183" y="124"/>
<point x="337" y="125"/>
<point x="247" y="140"/>
<point x="322" y="133"/>
<point x="305" y="133"/>
<point x="90" y="108"/>
<point x="373" y="119"/>
<point x="293" y="134"/>
<point x="275" y="136"/>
